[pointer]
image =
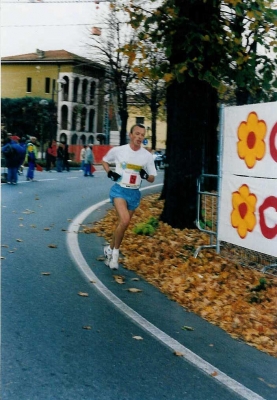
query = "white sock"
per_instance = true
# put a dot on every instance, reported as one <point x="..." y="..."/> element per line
<point x="115" y="253"/>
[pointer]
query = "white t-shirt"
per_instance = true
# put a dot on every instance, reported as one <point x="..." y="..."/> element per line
<point x="129" y="163"/>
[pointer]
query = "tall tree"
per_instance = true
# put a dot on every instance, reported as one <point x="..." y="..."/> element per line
<point x="119" y="74"/>
<point x="151" y="89"/>
<point x="206" y="51"/>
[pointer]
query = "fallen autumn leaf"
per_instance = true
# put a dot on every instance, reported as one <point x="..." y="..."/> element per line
<point x="216" y="288"/>
<point x="187" y="328"/>
<point x="119" y="279"/>
<point x="83" y="294"/>
<point x="134" y="290"/>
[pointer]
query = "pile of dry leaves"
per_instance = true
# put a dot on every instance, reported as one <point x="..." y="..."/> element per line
<point x="241" y="301"/>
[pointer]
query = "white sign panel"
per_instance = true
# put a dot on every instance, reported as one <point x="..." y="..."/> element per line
<point x="248" y="216"/>
<point x="248" y="202"/>
<point x="250" y="140"/>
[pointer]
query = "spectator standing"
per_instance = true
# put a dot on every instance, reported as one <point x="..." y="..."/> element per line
<point x="59" y="159"/>
<point x="88" y="161"/>
<point x="23" y="144"/>
<point x="66" y="158"/>
<point x="82" y="157"/>
<point x="13" y="154"/>
<point x="49" y="157"/>
<point x="31" y="157"/>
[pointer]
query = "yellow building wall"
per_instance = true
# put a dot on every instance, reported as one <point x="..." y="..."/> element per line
<point x="14" y="79"/>
<point x="161" y="129"/>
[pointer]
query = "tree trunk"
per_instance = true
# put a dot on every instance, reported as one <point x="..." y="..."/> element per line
<point x="192" y="120"/>
<point x="123" y="131"/>
<point x="154" y="111"/>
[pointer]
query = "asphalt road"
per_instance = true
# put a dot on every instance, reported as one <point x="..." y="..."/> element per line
<point x="110" y="344"/>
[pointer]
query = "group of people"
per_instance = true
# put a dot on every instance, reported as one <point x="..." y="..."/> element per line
<point x="132" y="162"/>
<point x="18" y="151"/>
<point x="57" y="155"/>
<point x="87" y="160"/>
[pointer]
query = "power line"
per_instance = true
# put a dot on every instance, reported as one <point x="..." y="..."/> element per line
<point x="36" y="26"/>
<point x="101" y="25"/>
<point x="54" y="1"/>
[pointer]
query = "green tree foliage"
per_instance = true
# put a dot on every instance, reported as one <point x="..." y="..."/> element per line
<point x="234" y="50"/>
<point x="26" y="116"/>
<point x="251" y="45"/>
<point x="150" y="90"/>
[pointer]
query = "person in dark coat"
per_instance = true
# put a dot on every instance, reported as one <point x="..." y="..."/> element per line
<point x="23" y="144"/>
<point x="13" y="154"/>
<point x="59" y="159"/>
<point x="66" y="158"/>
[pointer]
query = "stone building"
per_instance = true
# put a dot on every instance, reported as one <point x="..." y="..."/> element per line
<point x="74" y="83"/>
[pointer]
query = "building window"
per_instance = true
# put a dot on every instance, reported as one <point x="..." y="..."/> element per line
<point x="91" y="120"/>
<point x="29" y="85"/>
<point x="92" y="92"/>
<point x="47" y="85"/>
<point x="64" y="117"/>
<point x="53" y="85"/>
<point x="140" y="120"/>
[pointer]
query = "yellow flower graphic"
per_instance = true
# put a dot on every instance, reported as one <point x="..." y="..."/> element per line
<point x="251" y="145"/>
<point x="242" y="216"/>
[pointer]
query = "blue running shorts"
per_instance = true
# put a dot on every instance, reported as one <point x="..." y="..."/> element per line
<point x="131" y="196"/>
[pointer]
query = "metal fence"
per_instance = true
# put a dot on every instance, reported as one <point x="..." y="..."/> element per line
<point x="206" y="221"/>
<point x="207" y="210"/>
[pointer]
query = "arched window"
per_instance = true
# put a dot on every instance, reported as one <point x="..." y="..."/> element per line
<point x="91" y="120"/>
<point x="83" y="119"/>
<point x="83" y="139"/>
<point x="65" y="88"/>
<point x="75" y="89"/>
<point x="63" y="138"/>
<point x="74" y="118"/>
<point x="64" y="116"/>
<point x="84" y="90"/>
<point x="74" y="139"/>
<point x="91" y="139"/>
<point x="92" y="92"/>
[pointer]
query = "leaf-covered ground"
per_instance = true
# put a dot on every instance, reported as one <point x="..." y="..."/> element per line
<point x="240" y="300"/>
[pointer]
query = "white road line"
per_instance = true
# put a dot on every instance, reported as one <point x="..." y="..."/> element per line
<point x="174" y="345"/>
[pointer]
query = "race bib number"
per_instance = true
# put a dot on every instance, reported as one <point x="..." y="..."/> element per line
<point x="131" y="176"/>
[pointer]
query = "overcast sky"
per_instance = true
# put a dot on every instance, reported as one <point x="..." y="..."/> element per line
<point x="27" y="26"/>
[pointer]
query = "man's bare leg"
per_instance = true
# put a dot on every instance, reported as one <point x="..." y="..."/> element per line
<point x="124" y="218"/>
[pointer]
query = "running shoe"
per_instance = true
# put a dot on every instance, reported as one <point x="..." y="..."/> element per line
<point x="108" y="255"/>
<point x="114" y="261"/>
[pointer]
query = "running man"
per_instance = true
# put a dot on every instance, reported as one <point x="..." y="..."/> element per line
<point x="133" y="163"/>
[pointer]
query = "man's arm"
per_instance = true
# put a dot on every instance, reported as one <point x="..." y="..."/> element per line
<point x="106" y="166"/>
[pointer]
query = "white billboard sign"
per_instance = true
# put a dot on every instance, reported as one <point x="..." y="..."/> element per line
<point x="248" y="202"/>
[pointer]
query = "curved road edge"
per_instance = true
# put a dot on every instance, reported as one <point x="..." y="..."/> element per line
<point x="174" y="345"/>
